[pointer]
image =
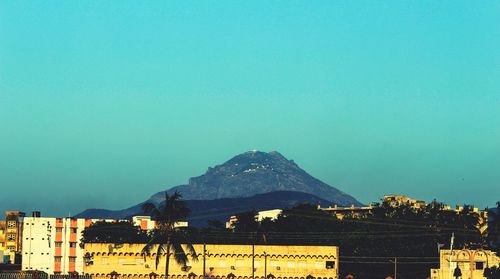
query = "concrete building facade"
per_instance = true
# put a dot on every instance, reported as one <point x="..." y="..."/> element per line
<point x="472" y="263"/>
<point x="52" y="245"/>
<point x="220" y="261"/>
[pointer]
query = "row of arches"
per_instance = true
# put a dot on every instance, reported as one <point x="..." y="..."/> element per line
<point x="222" y="255"/>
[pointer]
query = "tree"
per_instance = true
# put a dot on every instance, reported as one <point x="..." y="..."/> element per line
<point x="114" y="232"/>
<point x="167" y="237"/>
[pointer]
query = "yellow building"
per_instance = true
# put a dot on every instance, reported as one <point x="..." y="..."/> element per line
<point x="10" y="234"/>
<point x="472" y="263"/>
<point x="13" y="232"/>
<point x="219" y="261"/>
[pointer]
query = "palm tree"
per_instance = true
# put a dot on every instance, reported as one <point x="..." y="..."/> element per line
<point x="167" y="237"/>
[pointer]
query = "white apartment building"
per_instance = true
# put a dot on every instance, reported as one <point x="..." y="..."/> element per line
<point x="52" y="245"/>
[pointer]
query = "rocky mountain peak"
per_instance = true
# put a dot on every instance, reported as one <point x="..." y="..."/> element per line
<point x="256" y="172"/>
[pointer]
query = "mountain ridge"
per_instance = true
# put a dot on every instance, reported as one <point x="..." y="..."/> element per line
<point x="242" y="180"/>
<point x="218" y="209"/>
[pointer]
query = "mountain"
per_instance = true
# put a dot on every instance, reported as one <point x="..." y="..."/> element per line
<point x="250" y="180"/>
<point x="256" y="172"/>
<point x="218" y="209"/>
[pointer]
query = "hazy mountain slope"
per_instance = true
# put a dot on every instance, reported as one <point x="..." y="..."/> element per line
<point x="219" y="209"/>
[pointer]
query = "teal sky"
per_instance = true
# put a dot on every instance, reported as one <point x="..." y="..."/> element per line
<point x="103" y="103"/>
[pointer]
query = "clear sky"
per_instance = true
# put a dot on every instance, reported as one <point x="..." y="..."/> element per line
<point x="103" y="103"/>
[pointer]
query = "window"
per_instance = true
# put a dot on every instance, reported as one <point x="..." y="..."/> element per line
<point x="72" y="259"/>
<point x="330" y="264"/>
<point x="73" y="230"/>
<point x="222" y="263"/>
<point x="318" y="265"/>
<point x="72" y="244"/>
<point x="11" y="248"/>
<point x="291" y="264"/>
<point x="479" y="265"/>
<point x="11" y="224"/>
<point x="58" y="244"/>
<point x="105" y="260"/>
<point x="58" y="230"/>
<point x="11" y="237"/>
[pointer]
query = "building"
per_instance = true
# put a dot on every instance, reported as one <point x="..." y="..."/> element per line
<point x="220" y="261"/>
<point x="3" y="230"/>
<point x="398" y="200"/>
<point x="53" y="245"/>
<point x="14" y="228"/>
<point x="351" y="211"/>
<point x="472" y="263"/>
<point x="10" y="234"/>
<point x="261" y="215"/>
<point x="145" y="223"/>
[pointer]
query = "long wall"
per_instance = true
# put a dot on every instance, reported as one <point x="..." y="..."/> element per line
<point x="219" y="260"/>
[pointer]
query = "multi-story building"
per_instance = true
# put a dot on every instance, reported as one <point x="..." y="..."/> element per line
<point x="10" y="234"/>
<point x="216" y="261"/>
<point x="53" y="245"/>
<point x="472" y="263"/>
<point x="3" y="230"/>
<point x="14" y="228"/>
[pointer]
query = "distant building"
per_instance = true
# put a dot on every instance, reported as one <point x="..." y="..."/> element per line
<point x="147" y="224"/>
<point x="10" y="234"/>
<point x="220" y="261"/>
<point x="398" y="200"/>
<point x="261" y="215"/>
<point x="472" y="263"/>
<point x="351" y="211"/>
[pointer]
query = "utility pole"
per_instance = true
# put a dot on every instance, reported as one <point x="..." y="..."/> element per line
<point x="253" y="261"/>
<point x="265" y="265"/>
<point x="395" y="268"/>
<point x="451" y="253"/>
<point x="204" y="260"/>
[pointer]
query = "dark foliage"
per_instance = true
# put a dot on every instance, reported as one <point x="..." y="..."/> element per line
<point x="114" y="232"/>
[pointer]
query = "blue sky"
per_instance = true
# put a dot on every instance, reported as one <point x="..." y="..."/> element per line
<point x="104" y="103"/>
